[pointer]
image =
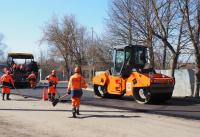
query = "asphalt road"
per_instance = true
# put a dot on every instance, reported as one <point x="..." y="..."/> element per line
<point x="177" y="107"/>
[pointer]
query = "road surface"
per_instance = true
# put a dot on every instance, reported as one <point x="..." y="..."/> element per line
<point x="33" y="117"/>
<point x="176" y="107"/>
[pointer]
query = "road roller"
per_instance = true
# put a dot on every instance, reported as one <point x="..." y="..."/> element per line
<point x="129" y="77"/>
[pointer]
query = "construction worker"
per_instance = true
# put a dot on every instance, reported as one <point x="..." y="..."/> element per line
<point x="15" y="67"/>
<point x="75" y="86"/>
<point x="53" y="80"/>
<point x="22" y="68"/>
<point x="7" y="83"/>
<point x="32" y="79"/>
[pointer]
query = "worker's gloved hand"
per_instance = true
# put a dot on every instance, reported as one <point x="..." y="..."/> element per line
<point x="54" y="85"/>
<point x="69" y="92"/>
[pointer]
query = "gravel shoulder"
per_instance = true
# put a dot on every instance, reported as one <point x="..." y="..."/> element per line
<point x="34" y="117"/>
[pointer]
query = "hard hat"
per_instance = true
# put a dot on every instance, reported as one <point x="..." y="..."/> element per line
<point x="77" y="69"/>
<point x="8" y="72"/>
<point x="54" y="71"/>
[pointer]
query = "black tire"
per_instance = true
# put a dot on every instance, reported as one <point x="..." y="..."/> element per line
<point x="100" y="91"/>
<point x="142" y="95"/>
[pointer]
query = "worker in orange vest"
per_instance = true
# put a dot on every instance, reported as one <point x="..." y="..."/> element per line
<point x="32" y="79"/>
<point x="75" y="86"/>
<point x="53" y="80"/>
<point x="7" y="83"/>
<point x="15" y="67"/>
<point x="21" y="68"/>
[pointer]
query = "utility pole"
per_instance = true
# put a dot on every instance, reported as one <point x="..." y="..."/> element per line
<point x="129" y="23"/>
<point x="92" y="55"/>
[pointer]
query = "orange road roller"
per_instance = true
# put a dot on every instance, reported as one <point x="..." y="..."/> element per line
<point x="128" y="76"/>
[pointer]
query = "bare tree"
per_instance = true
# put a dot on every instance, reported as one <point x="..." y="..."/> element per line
<point x="101" y="54"/>
<point x="127" y="23"/>
<point x="149" y="19"/>
<point x="48" y="62"/>
<point x="159" y="55"/>
<point x="170" y="29"/>
<point x="142" y="17"/>
<point x="66" y="40"/>
<point x="119" y="22"/>
<point x="190" y="10"/>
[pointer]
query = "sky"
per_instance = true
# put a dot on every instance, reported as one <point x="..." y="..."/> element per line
<point x="21" y="20"/>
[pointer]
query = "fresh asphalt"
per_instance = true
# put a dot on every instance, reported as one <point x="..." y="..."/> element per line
<point x="176" y="107"/>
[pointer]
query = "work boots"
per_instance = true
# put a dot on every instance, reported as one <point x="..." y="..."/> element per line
<point x="77" y="112"/>
<point x="3" y="95"/>
<point x="34" y="86"/>
<point x="74" y="112"/>
<point x="53" y="96"/>
<point x="49" y="96"/>
<point x="8" y="96"/>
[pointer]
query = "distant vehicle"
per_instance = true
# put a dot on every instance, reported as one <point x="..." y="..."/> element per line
<point x="20" y="75"/>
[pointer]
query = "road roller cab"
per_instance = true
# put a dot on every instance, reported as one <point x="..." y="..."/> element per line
<point x="128" y="75"/>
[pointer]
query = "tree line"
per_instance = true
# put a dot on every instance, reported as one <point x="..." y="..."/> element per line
<point x="72" y="42"/>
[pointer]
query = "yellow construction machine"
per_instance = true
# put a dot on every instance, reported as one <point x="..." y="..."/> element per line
<point x="20" y="76"/>
<point x="128" y="76"/>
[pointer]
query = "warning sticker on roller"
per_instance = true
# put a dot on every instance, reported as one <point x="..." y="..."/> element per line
<point x="128" y="86"/>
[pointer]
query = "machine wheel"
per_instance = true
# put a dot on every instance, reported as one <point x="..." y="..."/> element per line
<point x="142" y="95"/>
<point x="100" y="91"/>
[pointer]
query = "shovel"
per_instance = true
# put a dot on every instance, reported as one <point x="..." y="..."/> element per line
<point x="19" y="92"/>
<point x="54" y="103"/>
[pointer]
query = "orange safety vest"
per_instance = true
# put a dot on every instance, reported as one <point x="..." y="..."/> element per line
<point x="22" y="67"/>
<point x="76" y="83"/>
<point x="32" y="77"/>
<point x="53" y="79"/>
<point x="7" y="81"/>
<point x="15" y="66"/>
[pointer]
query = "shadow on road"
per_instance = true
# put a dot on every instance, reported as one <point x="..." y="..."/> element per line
<point x="82" y="116"/>
<point x="172" y="102"/>
<point x="106" y="116"/>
